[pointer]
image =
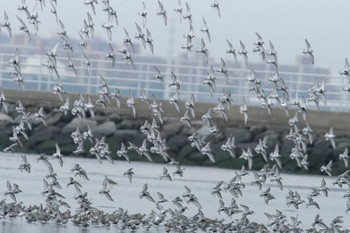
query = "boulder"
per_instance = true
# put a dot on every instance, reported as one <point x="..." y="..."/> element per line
<point x="64" y="138"/>
<point x="39" y="136"/>
<point x="115" y="117"/>
<point x="171" y="128"/>
<point x="53" y="117"/>
<point x="257" y="130"/>
<point x="17" y="119"/>
<point x="273" y="138"/>
<point x="47" y="147"/>
<point x="203" y="130"/>
<point x="241" y="135"/>
<point x="186" y="130"/>
<point x="285" y="147"/>
<point x="5" y="120"/>
<point x="11" y="110"/>
<point x="321" y="153"/>
<point x="197" y="157"/>
<point x="130" y="123"/>
<point x="105" y="129"/>
<point x="176" y="142"/>
<point x="131" y="135"/>
<point x="341" y="144"/>
<point x="72" y="126"/>
<point x="231" y="163"/>
<point x="184" y="152"/>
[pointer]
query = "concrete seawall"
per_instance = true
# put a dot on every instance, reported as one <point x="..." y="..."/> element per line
<point x="118" y="125"/>
<point x="319" y="120"/>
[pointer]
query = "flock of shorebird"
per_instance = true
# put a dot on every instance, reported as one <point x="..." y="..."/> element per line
<point x="57" y="210"/>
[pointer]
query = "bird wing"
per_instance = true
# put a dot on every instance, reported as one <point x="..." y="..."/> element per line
<point x="307" y="44"/>
<point x="138" y="28"/>
<point x="202" y="43"/>
<point x="346" y="66"/>
<point x="62" y="25"/>
<point x="145" y="187"/>
<point x="108" y="195"/>
<point x="259" y="37"/>
<point x="229" y="44"/>
<point x="161" y="7"/>
<point x="58" y="150"/>
<point x="242" y="45"/>
<point x="21" y="21"/>
<point x="9" y="187"/>
<point x="272" y="48"/>
<point x="6" y="18"/>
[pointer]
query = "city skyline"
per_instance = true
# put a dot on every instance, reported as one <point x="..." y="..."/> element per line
<point x="239" y="21"/>
<point x="299" y="76"/>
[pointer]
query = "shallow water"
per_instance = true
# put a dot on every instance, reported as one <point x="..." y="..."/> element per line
<point x="126" y="195"/>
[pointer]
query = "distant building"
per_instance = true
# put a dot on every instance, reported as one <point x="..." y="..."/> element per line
<point x="189" y="72"/>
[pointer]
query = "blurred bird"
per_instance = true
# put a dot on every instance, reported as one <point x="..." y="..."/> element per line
<point x="216" y="6"/>
<point x="330" y="136"/>
<point x="327" y="168"/>
<point x="308" y="51"/>
<point x="205" y="29"/>
<point x="129" y="173"/>
<point x="143" y="13"/>
<point x="162" y="12"/>
<point x="243" y="52"/>
<point x="146" y="194"/>
<point x="344" y="156"/>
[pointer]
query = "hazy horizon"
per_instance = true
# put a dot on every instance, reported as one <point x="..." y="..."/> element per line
<point x="285" y="23"/>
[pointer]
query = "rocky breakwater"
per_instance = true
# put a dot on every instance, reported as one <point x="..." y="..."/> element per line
<point x="118" y="126"/>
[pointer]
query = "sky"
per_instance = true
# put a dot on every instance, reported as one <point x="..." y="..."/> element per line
<point x="285" y="23"/>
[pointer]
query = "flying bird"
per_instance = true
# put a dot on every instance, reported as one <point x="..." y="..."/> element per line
<point x="162" y="12"/>
<point x="308" y="51"/>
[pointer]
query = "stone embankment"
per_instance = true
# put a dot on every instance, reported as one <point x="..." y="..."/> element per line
<point x="118" y="125"/>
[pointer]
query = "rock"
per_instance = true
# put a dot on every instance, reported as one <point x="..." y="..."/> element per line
<point x="184" y="152"/>
<point x="100" y="119"/>
<point x="257" y="129"/>
<point x="203" y="130"/>
<point x="11" y="110"/>
<point x="130" y="123"/>
<point x="115" y="117"/>
<point x="285" y="147"/>
<point x="72" y="126"/>
<point x="241" y="135"/>
<point x="53" y="117"/>
<point x="66" y="118"/>
<point x="39" y="136"/>
<point x="63" y="138"/>
<point x="68" y="149"/>
<point x="219" y="155"/>
<point x="245" y="146"/>
<point x="321" y="153"/>
<point x="197" y="157"/>
<point x="125" y="135"/>
<point x="273" y="138"/>
<point x="17" y="119"/>
<point x="4" y="141"/>
<point x="171" y="128"/>
<point x="5" y="120"/>
<point x="187" y="131"/>
<point x="119" y="128"/>
<point x="231" y="163"/>
<point x="105" y="129"/>
<point x="47" y="147"/>
<point x="341" y="143"/>
<point x="176" y="142"/>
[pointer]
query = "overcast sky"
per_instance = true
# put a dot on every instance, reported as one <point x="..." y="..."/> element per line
<point x="286" y="23"/>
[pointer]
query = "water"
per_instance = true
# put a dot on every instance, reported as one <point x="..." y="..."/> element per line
<point x="200" y="180"/>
